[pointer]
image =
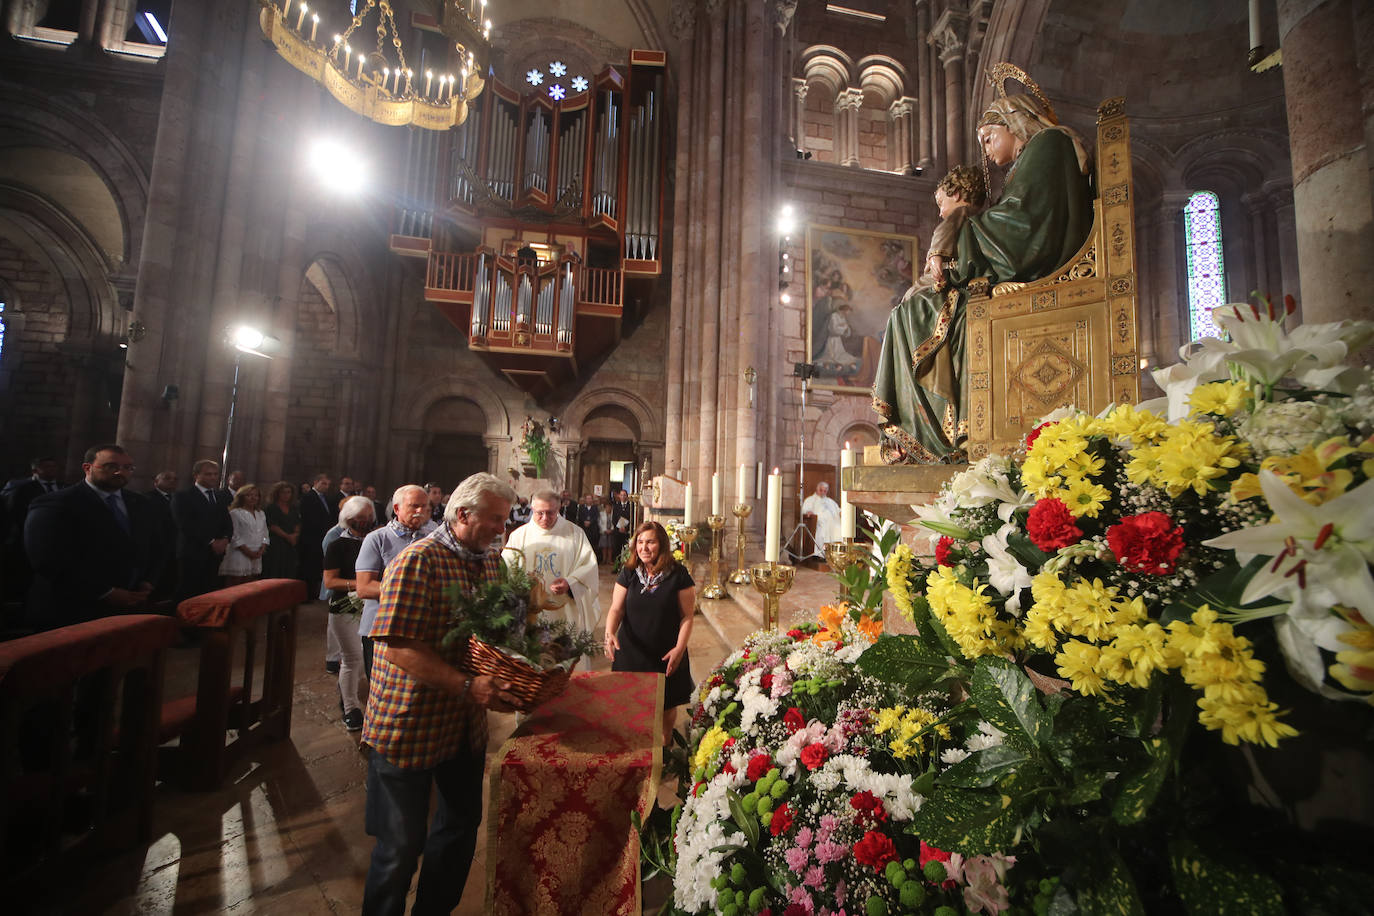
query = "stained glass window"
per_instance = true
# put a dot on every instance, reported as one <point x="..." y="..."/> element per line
<point x="2" y="330"/>
<point x="1206" y="271"/>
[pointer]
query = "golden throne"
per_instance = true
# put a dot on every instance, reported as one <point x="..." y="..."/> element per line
<point x="1066" y="339"/>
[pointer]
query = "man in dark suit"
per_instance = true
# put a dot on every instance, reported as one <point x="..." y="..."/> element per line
<point x="160" y="498"/>
<point x="201" y="513"/>
<point x="622" y="520"/>
<point x="319" y="513"/>
<point x="589" y="518"/>
<point x="568" y="507"/>
<point x="94" y="546"/>
<point x="16" y="497"/>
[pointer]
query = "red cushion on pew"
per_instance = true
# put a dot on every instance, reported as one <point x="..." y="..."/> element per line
<point x="241" y="603"/>
<point x="61" y="656"/>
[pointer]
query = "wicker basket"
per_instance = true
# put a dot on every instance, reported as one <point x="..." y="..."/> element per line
<point x="529" y="685"/>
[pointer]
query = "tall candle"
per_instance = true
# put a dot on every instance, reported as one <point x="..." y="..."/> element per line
<point x="1254" y="24"/>
<point x="758" y="481"/>
<point x="715" y="492"/>
<point x="847" y="520"/>
<point x="688" y="515"/>
<point x="314" y="25"/>
<point x="741" y="482"/>
<point x="774" y="526"/>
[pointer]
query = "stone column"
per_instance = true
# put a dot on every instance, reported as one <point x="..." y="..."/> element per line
<point x="899" y="134"/>
<point x="847" y="105"/>
<point x="949" y="36"/>
<point x="924" y="85"/>
<point x="682" y="22"/>
<point x="1257" y="208"/>
<point x="799" y="88"/>
<point x="1333" y="194"/>
<point x="1285" y="231"/>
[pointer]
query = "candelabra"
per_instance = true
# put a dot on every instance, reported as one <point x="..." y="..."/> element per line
<point x="714" y="588"/>
<point x="634" y="513"/>
<point x="741" y="574"/>
<point x="686" y="534"/>
<point x="772" y="581"/>
<point x="841" y="555"/>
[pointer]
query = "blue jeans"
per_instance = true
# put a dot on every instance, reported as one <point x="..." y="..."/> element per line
<point x="397" y="814"/>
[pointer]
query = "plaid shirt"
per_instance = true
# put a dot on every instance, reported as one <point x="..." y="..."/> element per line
<point x="412" y="725"/>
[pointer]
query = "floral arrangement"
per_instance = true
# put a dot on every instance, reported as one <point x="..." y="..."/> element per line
<point x="806" y="782"/>
<point x="1099" y="619"/>
<point x="505" y="614"/>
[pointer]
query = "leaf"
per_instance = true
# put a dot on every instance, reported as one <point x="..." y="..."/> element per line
<point x="930" y="631"/>
<point x="982" y="769"/>
<point x="1207" y="884"/>
<point x="1087" y="786"/>
<point x="904" y="660"/>
<point x="742" y="819"/>
<point x="1020" y="546"/>
<point x="1006" y="698"/>
<point x="1105" y="885"/>
<point x="1221" y="590"/>
<point x="970" y="821"/>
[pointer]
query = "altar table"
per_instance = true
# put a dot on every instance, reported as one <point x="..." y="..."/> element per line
<point x="562" y="789"/>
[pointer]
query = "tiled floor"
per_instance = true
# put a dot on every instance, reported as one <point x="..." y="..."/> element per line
<point x="284" y="835"/>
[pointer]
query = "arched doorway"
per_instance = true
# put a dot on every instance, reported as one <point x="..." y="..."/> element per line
<point x="453" y="444"/>
<point x="610" y="433"/>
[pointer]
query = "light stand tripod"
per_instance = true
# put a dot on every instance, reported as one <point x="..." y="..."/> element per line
<point x="803" y="371"/>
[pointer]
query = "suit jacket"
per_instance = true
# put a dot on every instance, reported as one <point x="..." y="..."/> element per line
<point x="589" y="520"/>
<point x="198" y="522"/>
<point x="316" y="519"/>
<point x="79" y="551"/>
<point x="571" y="511"/>
<point x="625" y="510"/>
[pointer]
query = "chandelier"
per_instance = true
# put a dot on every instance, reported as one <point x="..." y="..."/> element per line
<point x="371" y="83"/>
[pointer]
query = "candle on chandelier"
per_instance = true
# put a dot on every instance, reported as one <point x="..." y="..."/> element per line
<point x="285" y="10"/>
<point x="361" y="58"/>
<point x="715" y="492"/>
<point x="774" y="526"/>
<point x="848" y="527"/>
<point x="314" y="26"/>
<point x="688" y="515"/>
<point x="300" y="20"/>
<point x="386" y="76"/>
<point x="348" y="58"/>
<point x="429" y="77"/>
<point x="741" y="481"/>
<point x="758" y="481"/>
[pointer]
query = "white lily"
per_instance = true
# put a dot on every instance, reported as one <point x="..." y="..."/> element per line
<point x="1304" y="628"/>
<point x="935" y="516"/>
<point x="1332" y="543"/>
<point x="1005" y="572"/>
<point x="1260" y="345"/>
<point x="1207" y="363"/>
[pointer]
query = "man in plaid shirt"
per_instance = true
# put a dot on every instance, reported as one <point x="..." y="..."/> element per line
<point x="427" y="718"/>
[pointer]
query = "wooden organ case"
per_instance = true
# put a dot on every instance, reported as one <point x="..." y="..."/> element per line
<point x="541" y="220"/>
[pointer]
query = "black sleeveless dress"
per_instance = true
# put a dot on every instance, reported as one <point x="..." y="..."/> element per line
<point x="649" y="630"/>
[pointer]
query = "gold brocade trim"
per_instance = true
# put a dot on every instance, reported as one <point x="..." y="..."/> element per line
<point x="948" y="426"/>
<point x="493" y="770"/>
<point x="908" y="444"/>
<point x="932" y="343"/>
<point x="882" y="408"/>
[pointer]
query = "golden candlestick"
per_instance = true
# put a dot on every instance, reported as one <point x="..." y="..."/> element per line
<point x="686" y="534"/>
<point x="841" y="555"/>
<point x="741" y="574"/>
<point x="714" y="588"/>
<point x="772" y="580"/>
<point x="634" y="513"/>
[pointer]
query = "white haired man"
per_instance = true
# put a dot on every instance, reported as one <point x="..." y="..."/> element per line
<point x="426" y="719"/>
<point x="409" y="523"/>
<point x="558" y="552"/>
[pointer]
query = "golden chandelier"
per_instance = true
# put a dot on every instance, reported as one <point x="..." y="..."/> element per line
<point x="373" y="85"/>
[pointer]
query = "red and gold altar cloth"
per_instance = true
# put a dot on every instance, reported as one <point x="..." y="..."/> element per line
<point x="562" y="789"/>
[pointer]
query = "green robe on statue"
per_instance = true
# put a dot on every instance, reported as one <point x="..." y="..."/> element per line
<point x="1041" y="221"/>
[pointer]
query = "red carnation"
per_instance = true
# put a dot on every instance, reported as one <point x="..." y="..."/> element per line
<point x="1035" y="434"/>
<point x="796" y="909"/>
<point x="794" y="720"/>
<point x="869" y="806"/>
<point x="796" y="634"/>
<point x="1146" y="543"/>
<point x="759" y="765"/>
<point x="874" y="850"/>
<point x="942" y="548"/>
<point x="766" y="681"/>
<point x="931" y="854"/>
<point x="813" y="755"/>
<point x="781" y="821"/>
<point x="1051" y="525"/>
<point x="728" y="767"/>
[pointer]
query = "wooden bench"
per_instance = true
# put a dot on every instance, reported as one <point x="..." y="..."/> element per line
<point x="79" y="712"/>
<point x="225" y="618"/>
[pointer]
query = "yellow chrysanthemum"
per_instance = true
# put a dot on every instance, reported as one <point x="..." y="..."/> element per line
<point x="1191" y="457"/>
<point x="1088" y="610"/>
<point x="1038" y="630"/>
<point x="887" y="719"/>
<point x="1085" y="497"/>
<point x="1141" y="426"/>
<point x="1143" y="466"/>
<point x="710" y="745"/>
<point x="1253" y="720"/>
<point x="898" y="571"/>
<point x="1037" y="476"/>
<point x="1078" y="664"/>
<point x="1135" y="655"/>
<point x="968" y="615"/>
<point x="1220" y="398"/>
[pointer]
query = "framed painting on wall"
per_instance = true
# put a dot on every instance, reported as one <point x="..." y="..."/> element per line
<point x="854" y="278"/>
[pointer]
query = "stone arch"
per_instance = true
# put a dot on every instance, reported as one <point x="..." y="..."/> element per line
<point x="334" y="283"/>
<point x="828" y="66"/>
<point x="30" y="118"/>
<point x="420" y="399"/>
<point x="844" y="413"/>
<point x="883" y="77"/>
<point x="576" y="413"/>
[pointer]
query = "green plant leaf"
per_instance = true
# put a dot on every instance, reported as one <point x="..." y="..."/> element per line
<point x="906" y="661"/>
<point x="1020" y="546"/>
<point x="1006" y="698"/>
<point x="984" y="768"/>
<point x="742" y="819"/>
<point x="1087" y="786"/>
<point x="970" y="821"/>
<point x="1208" y="884"/>
<point x="1221" y="590"/>
<point x="1104" y="885"/>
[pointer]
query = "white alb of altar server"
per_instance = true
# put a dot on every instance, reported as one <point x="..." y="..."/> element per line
<point x="827" y="513"/>
<point x="558" y="553"/>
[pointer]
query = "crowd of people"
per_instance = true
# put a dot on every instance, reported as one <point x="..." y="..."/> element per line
<point x="95" y="549"/>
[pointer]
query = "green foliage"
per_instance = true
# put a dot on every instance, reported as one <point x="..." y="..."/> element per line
<point x="1221" y="885"/>
<point x="1005" y="697"/>
<point x="908" y="661"/>
<point x="865" y="581"/>
<point x="537" y="446"/>
<point x="498" y="613"/>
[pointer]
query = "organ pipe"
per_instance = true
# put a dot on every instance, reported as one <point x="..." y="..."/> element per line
<point x="500" y="317"/>
<point x="481" y="299"/>
<point x="543" y="320"/>
<point x="567" y="304"/>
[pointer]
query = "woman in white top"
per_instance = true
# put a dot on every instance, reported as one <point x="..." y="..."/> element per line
<point x="605" y="523"/>
<point x="243" y="560"/>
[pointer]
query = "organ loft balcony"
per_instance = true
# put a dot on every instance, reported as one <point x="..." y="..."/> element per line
<point x="540" y="220"/>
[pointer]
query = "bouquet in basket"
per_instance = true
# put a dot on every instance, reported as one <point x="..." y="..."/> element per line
<point x="506" y="634"/>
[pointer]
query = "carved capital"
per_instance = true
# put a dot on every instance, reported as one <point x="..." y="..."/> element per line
<point x="682" y="18"/>
<point x="783" y="11"/>
<point x="713" y="7"/>
<point x="799" y="87"/>
<point x="901" y="108"/>
<point x="949" y="35"/>
<point x="849" y="100"/>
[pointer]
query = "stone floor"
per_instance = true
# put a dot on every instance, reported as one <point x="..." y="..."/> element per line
<point x="284" y="835"/>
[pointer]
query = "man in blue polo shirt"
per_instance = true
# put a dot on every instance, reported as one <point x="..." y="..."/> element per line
<point x="410" y="522"/>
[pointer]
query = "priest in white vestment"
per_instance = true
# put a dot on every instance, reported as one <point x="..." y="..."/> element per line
<point x="558" y="553"/>
<point x="827" y="513"/>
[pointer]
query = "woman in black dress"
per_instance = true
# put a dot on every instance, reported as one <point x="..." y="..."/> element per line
<point x="652" y="610"/>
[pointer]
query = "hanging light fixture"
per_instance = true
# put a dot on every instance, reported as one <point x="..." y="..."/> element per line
<point x="382" y="88"/>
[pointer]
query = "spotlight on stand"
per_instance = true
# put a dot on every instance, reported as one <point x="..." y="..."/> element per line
<point x="803" y="154"/>
<point x="787" y="220"/>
